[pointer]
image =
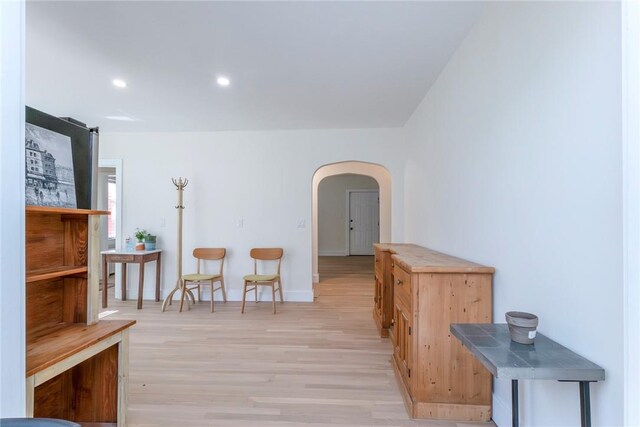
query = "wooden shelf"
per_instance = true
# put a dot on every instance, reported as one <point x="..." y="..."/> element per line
<point x="54" y="272"/>
<point x="76" y="365"/>
<point x="63" y="211"/>
<point x="45" y="350"/>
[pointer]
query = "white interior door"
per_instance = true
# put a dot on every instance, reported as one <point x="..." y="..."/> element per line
<point x="364" y="224"/>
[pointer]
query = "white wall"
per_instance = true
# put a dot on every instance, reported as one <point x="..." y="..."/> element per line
<point x="631" y="206"/>
<point x="12" y="280"/>
<point x="332" y="211"/>
<point x="264" y="178"/>
<point x="514" y="160"/>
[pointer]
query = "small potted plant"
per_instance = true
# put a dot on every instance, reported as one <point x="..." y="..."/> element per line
<point x="140" y="235"/>
<point x="150" y="242"/>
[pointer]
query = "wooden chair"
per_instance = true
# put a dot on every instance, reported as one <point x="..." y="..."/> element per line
<point x="255" y="279"/>
<point x="200" y="278"/>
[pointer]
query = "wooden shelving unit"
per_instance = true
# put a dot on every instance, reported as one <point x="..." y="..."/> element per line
<point x="77" y="367"/>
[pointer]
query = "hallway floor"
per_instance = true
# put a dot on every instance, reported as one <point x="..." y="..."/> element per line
<point x="313" y="364"/>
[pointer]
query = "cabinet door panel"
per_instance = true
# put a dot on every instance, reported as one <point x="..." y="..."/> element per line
<point x="402" y="341"/>
<point x="377" y="299"/>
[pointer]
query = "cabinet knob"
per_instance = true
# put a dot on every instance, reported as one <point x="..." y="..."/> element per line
<point x="399" y="282"/>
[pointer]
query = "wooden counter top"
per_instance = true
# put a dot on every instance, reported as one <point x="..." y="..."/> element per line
<point x="416" y="259"/>
<point x="60" y="343"/>
<point x="395" y="248"/>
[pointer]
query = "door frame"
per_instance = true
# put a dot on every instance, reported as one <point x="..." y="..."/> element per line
<point x="117" y="165"/>
<point x="375" y="171"/>
<point x="348" y="216"/>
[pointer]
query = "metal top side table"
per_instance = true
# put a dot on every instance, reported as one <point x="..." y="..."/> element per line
<point x="544" y="360"/>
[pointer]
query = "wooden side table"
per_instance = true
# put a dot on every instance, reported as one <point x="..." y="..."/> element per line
<point x="130" y="257"/>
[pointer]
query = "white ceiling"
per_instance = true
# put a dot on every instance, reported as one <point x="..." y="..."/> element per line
<point x="292" y="65"/>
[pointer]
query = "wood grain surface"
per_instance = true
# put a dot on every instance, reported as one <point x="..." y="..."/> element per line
<point x="54" y="210"/>
<point x="312" y="364"/>
<point x="57" y="344"/>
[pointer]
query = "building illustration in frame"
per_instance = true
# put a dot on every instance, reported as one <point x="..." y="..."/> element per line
<point x="49" y="177"/>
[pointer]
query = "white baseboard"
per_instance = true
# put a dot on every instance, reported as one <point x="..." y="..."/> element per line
<point x="236" y="295"/>
<point x="299" y="296"/>
<point x="333" y="253"/>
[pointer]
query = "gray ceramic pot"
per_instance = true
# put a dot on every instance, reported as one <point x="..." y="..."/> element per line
<point x="522" y="326"/>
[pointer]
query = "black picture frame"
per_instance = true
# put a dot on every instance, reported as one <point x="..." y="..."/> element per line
<point x="81" y="150"/>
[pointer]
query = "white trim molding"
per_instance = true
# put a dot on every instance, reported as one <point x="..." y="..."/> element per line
<point x="264" y="295"/>
<point x="12" y="270"/>
<point x="117" y="165"/>
<point x="342" y="252"/>
<point x="631" y="207"/>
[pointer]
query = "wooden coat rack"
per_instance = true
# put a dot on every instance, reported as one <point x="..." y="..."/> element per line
<point x="180" y="184"/>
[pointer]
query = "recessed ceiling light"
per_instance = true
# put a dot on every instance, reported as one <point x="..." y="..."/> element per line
<point x="223" y="81"/>
<point x="119" y="83"/>
<point x="121" y="118"/>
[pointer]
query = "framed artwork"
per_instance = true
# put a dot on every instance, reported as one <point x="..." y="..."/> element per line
<point x="59" y="161"/>
<point x="49" y="174"/>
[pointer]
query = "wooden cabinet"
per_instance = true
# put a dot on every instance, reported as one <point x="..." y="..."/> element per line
<point x="77" y="366"/>
<point x="437" y="376"/>
<point x="383" y="307"/>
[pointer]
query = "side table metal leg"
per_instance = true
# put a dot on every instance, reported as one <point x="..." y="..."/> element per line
<point x="585" y="404"/>
<point x="105" y="277"/>
<point x="124" y="281"/>
<point x="140" y="284"/>
<point x="158" y="263"/>
<point x="515" y="415"/>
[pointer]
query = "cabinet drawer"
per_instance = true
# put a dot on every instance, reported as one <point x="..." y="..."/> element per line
<point x="120" y="258"/>
<point x="402" y="286"/>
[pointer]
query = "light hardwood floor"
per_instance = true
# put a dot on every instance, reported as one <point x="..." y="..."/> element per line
<point x="312" y="364"/>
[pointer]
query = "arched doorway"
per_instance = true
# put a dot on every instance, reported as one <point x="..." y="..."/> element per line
<point x="375" y="171"/>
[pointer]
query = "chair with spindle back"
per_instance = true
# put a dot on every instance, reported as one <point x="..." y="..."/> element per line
<point x="199" y="278"/>
<point x="255" y="279"/>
